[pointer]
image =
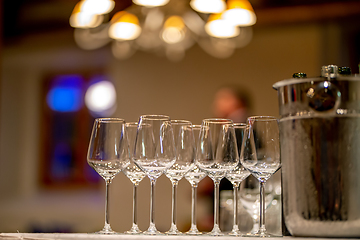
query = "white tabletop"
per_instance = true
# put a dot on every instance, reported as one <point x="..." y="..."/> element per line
<point x="67" y="236"/>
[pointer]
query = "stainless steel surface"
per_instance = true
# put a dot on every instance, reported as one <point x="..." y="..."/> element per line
<point x="320" y="153"/>
<point x="329" y="71"/>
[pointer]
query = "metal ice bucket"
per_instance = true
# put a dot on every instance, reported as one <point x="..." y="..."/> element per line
<point x="320" y="153"/>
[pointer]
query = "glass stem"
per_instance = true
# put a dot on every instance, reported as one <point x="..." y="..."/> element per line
<point x="152" y="203"/>
<point x="236" y="190"/>
<point x="107" y="217"/>
<point x="135" y="204"/>
<point x="255" y="228"/>
<point x="173" y="202"/>
<point x="193" y="204"/>
<point x="262" y="207"/>
<point x="216" y="203"/>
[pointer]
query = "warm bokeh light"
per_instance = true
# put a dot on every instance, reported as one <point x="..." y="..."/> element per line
<point x="172" y="35"/>
<point x="124" y="31"/>
<point x="240" y="17"/>
<point x="240" y="12"/>
<point x="151" y="3"/>
<point x="97" y="6"/>
<point x="173" y="31"/>
<point x="100" y="97"/>
<point x="208" y="6"/>
<point x="221" y="28"/>
<point x="125" y="26"/>
<point x="84" y="20"/>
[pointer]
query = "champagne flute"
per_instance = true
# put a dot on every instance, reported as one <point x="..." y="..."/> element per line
<point x="134" y="173"/>
<point x="236" y="176"/>
<point x="194" y="176"/>
<point x="260" y="154"/>
<point x="108" y="154"/>
<point x="216" y="154"/>
<point x="185" y="154"/>
<point x="154" y="153"/>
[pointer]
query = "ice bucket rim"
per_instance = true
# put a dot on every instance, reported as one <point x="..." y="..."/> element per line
<point x="293" y="81"/>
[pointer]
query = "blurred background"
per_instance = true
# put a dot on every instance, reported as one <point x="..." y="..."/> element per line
<point x="58" y="75"/>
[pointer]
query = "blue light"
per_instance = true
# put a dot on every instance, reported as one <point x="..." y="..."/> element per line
<point x="61" y="161"/>
<point x="66" y="93"/>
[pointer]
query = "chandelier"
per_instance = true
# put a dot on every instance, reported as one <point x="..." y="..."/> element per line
<point x="164" y="27"/>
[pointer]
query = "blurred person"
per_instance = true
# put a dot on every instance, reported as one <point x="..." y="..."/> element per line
<point x="230" y="102"/>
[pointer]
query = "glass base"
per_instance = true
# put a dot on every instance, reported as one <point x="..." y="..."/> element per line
<point x="152" y="230"/>
<point x="261" y="234"/>
<point x="193" y="231"/>
<point x="236" y="232"/>
<point x="173" y="230"/>
<point x="215" y="232"/>
<point x="134" y="230"/>
<point x="106" y="230"/>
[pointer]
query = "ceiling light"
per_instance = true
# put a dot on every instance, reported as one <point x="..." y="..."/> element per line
<point x="173" y="31"/>
<point x="168" y="30"/>
<point x="240" y="12"/>
<point x="220" y="28"/>
<point x="151" y="3"/>
<point x="125" y="26"/>
<point x="83" y="19"/>
<point x="97" y="6"/>
<point x="208" y="6"/>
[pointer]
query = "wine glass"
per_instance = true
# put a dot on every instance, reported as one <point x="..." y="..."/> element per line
<point x="194" y="176"/>
<point x="108" y="154"/>
<point x="260" y="154"/>
<point x="216" y="154"/>
<point x="185" y="154"/>
<point x="236" y="176"/>
<point x="134" y="173"/>
<point x="154" y="153"/>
